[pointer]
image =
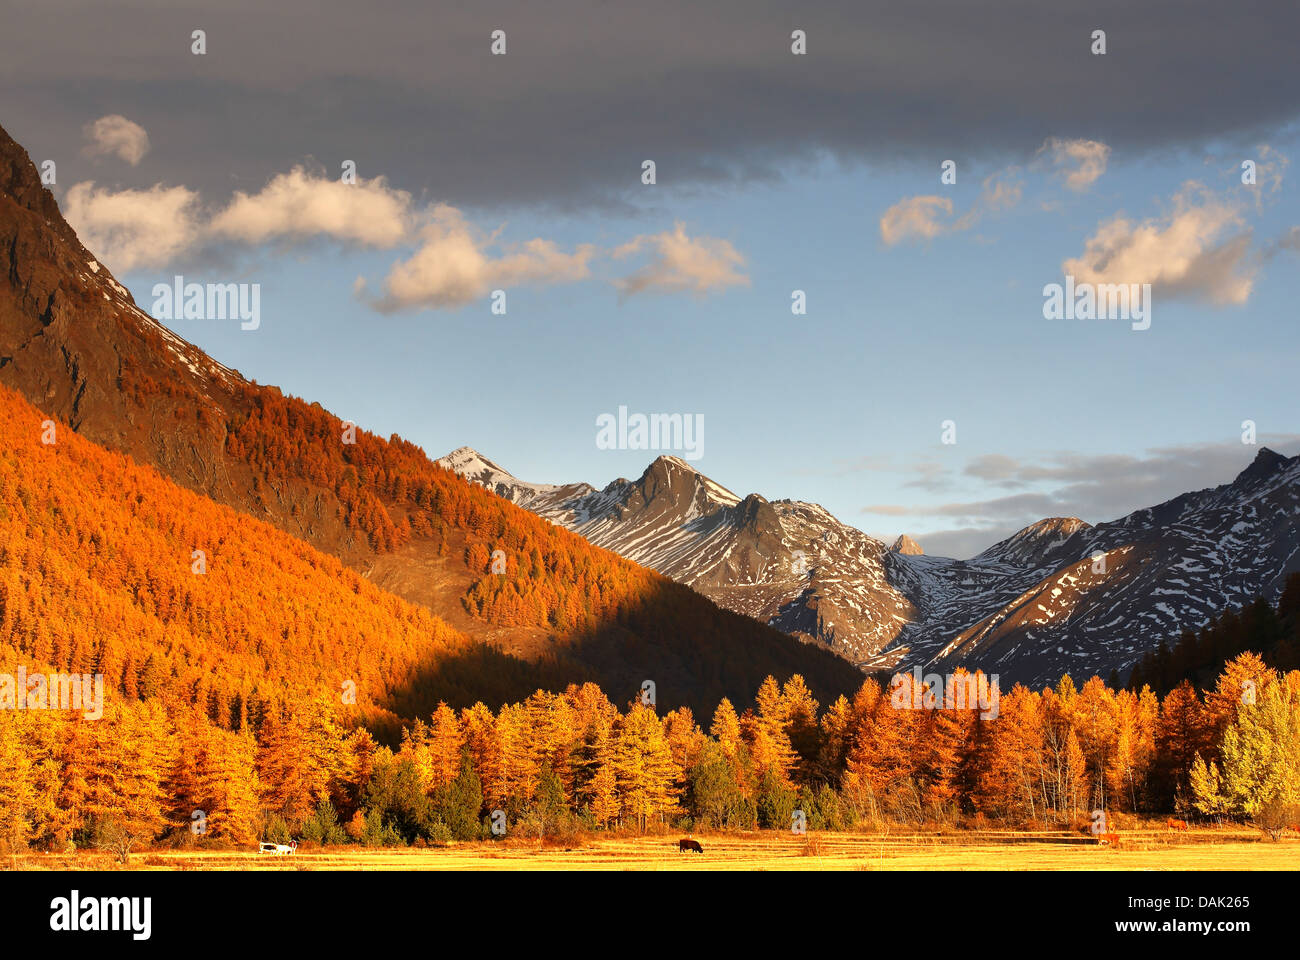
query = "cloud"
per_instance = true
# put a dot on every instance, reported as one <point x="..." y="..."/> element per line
<point x="932" y="475"/>
<point x="551" y="125"/>
<point x="146" y="228"/>
<point x="842" y="467"/>
<point x="927" y="217"/>
<point x="1035" y="505"/>
<point x="1199" y="251"/>
<point x="682" y="263"/>
<point x="1270" y="168"/>
<point x="963" y="543"/>
<point x="452" y="266"/>
<point x="1082" y="162"/>
<point x="993" y="468"/>
<point x="889" y="509"/>
<point x="916" y="218"/>
<point x="116" y="136"/>
<point x="1000" y="191"/>
<point x="452" y="263"/>
<point x="133" y="228"/>
<point x="298" y="205"/>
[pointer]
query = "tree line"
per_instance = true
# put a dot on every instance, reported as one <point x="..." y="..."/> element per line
<point x="159" y="769"/>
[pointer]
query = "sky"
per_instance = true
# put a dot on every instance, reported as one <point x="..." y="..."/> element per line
<point x="775" y="172"/>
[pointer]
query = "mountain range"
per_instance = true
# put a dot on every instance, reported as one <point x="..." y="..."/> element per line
<point x="1060" y="596"/>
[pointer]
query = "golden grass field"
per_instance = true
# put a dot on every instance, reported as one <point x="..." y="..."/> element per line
<point x="1210" y="849"/>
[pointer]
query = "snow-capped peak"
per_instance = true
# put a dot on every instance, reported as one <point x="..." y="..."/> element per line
<point x="676" y="462"/>
<point x="469" y="462"/>
<point x="476" y="468"/>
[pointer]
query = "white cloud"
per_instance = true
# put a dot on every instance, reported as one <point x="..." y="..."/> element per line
<point x="116" y="136"/>
<point x="1081" y="161"/>
<point x="1001" y="191"/>
<point x="916" y="218"/>
<point x="927" y="217"/>
<point x="133" y="228"/>
<point x="298" y="205"/>
<point x="682" y="263"/>
<point x="452" y="266"/>
<point x="451" y="262"/>
<point x="1195" y="251"/>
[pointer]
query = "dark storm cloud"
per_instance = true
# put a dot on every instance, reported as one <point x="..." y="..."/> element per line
<point x="587" y="91"/>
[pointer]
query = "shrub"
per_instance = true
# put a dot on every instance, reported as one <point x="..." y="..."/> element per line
<point x="439" y="834"/>
<point x="276" y="830"/>
<point x="1276" y="815"/>
<point x="776" y="803"/>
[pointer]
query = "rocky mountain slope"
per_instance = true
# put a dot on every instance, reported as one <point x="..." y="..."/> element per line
<point x="1068" y="597"/>
<point x="787" y="563"/>
<point x="1059" y="596"/>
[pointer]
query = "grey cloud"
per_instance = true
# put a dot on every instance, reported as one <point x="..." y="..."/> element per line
<point x="930" y="475"/>
<point x="964" y="543"/>
<point x="585" y="93"/>
<point x="995" y="468"/>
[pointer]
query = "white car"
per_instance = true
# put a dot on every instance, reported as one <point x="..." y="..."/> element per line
<point x="278" y="849"/>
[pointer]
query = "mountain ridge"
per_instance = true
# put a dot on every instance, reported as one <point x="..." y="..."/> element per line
<point x="796" y="567"/>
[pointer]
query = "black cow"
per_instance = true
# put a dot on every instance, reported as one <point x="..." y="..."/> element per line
<point x="684" y="845"/>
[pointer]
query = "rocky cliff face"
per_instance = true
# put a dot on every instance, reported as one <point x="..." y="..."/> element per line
<point x="74" y="342"/>
<point x="786" y="563"/>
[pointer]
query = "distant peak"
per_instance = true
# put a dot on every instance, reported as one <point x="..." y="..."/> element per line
<point x="1266" y="463"/>
<point x="468" y="460"/>
<point x="674" y="462"/>
<point x="1049" y="528"/>
<point x="1036" y="540"/>
<point x="905" y="544"/>
<point x="463" y="453"/>
<point x="1066" y="525"/>
<point x="676" y="473"/>
<point x="667" y="467"/>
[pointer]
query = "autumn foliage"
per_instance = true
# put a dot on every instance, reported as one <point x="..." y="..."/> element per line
<point x="255" y="688"/>
<point x="108" y="568"/>
<point x="98" y="561"/>
<point x="389" y="491"/>
<point x="554" y="761"/>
